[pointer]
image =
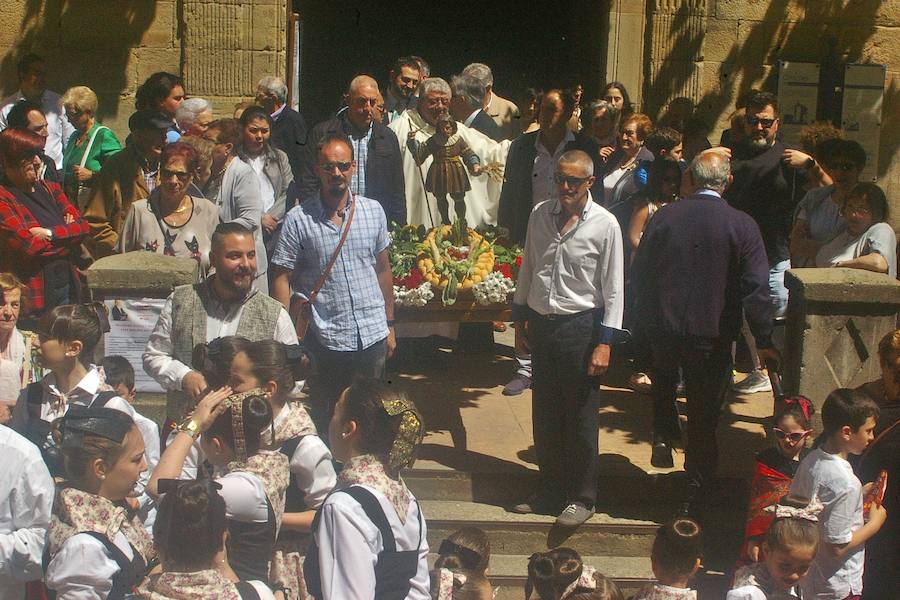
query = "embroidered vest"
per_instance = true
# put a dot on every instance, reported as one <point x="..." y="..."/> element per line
<point x="189" y="313"/>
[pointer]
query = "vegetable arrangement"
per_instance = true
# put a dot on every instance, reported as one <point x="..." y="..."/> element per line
<point x="451" y="260"/>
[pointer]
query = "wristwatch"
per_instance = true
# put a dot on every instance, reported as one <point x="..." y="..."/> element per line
<point x="190" y="427"/>
<point x="810" y="163"/>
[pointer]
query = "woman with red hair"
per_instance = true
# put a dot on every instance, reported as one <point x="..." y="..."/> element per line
<point x="172" y="221"/>
<point x="40" y="230"/>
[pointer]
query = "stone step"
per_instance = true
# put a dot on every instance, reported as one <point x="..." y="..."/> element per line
<point x="601" y="535"/>
<point x="509" y="572"/>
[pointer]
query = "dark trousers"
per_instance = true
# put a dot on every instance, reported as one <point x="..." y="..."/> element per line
<point x="565" y="421"/>
<point x="707" y="374"/>
<point x="335" y="371"/>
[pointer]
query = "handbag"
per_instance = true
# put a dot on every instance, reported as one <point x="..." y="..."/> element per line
<point x="83" y="192"/>
<point x="301" y="308"/>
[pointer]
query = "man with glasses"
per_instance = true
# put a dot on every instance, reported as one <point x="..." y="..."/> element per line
<point x="379" y="168"/>
<point x="125" y="178"/>
<point x="351" y="326"/>
<point x="529" y="174"/>
<point x="768" y="189"/>
<point x="405" y="77"/>
<point x="568" y="309"/>
<point x="33" y="86"/>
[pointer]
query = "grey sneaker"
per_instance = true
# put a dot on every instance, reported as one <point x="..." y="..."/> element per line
<point x="574" y="515"/>
<point x="517" y="385"/>
<point x="755" y="382"/>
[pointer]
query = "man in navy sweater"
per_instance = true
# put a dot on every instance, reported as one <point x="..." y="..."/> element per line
<point x="700" y="262"/>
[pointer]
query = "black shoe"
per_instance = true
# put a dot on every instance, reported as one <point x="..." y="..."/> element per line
<point x="661" y="456"/>
<point x="540" y="502"/>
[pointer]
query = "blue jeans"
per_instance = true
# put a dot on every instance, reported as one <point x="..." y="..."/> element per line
<point x="778" y="294"/>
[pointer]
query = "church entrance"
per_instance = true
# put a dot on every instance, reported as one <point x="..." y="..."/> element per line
<point x="526" y="44"/>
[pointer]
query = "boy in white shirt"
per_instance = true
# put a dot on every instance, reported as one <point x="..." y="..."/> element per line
<point x="848" y="419"/>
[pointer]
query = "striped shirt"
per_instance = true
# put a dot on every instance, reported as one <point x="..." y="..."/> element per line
<point x="361" y="153"/>
<point x="348" y="313"/>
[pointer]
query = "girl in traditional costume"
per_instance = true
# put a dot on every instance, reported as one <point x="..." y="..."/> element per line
<point x="447" y="174"/>
<point x="229" y="426"/>
<point x="775" y="469"/>
<point x="194" y="511"/>
<point x="560" y="574"/>
<point x="370" y="532"/>
<point x="790" y="545"/>
<point x="675" y="559"/>
<point x="267" y="365"/>
<point x="460" y="570"/>
<point x="97" y="545"/>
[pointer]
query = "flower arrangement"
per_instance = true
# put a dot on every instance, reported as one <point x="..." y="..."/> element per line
<point x="452" y="260"/>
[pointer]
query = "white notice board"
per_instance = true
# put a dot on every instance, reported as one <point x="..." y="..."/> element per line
<point x="798" y="98"/>
<point x="131" y="321"/>
<point x="861" y="113"/>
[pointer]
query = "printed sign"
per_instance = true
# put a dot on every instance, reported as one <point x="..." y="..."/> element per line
<point x="131" y="321"/>
<point x="798" y="97"/>
<point x="861" y="114"/>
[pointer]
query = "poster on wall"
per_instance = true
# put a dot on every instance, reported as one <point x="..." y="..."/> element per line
<point x="131" y="321"/>
<point x="861" y="113"/>
<point x="798" y="97"/>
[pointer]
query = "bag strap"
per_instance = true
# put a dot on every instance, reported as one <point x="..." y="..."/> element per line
<point x="90" y="144"/>
<point x="34" y="397"/>
<point x="337" y="251"/>
<point x="373" y="510"/>
<point x="102" y="398"/>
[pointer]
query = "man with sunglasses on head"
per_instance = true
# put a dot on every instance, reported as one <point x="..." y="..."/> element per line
<point x="351" y="322"/>
<point x="568" y="312"/>
<point x="768" y="189"/>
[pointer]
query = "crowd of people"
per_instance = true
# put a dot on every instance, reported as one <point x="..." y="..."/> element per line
<point x="640" y="240"/>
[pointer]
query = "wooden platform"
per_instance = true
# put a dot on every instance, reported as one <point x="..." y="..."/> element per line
<point x="463" y="311"/>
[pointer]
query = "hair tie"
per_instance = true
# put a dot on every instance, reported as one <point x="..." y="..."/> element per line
<point x="102" y="316"/>
<point x="810" y="512"/>
<point x="409" y="434"/>
<point x="447" y="581"/>
<point x="802" y="402"/>
<point x="467" y="554"/>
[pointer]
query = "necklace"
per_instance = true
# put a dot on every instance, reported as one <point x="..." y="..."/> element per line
<point x="182" y="207"/>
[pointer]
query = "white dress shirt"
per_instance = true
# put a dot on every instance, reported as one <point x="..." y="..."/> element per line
<point x="58" y="127"/>
<point x="26" y="498"/>
<point x="571" y="273"/>
<point x="310" y="465"/>
<point x="349" y="544"/>
<point x="543" y="186"/>
<point x="222" y="320"/>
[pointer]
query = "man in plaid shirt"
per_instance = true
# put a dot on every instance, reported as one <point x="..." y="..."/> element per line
<point x="40" y="230"/>
<point x="351" y="330"/>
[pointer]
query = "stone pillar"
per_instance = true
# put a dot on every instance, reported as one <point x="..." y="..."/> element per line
<point x="140" y="275"/>
<point x="228" y="45"/>
<point x="675" y="67"/>
<point x="625" y="46"/>
<point x="836" y="317"/>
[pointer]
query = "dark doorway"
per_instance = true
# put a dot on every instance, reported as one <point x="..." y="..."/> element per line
<point x="526" y="43"/>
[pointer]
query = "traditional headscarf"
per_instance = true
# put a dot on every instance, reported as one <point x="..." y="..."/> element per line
<point x="409" y="434"/>
<point x="104" y="422"/>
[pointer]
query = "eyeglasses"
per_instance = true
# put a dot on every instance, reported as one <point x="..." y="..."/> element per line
<point x="629" y="132"/>
<point x="182" y="176"/>
<point x="343" y="167"/>
<point x="793" y="437"/>
<point x="572" y="182"/>
<point x="842" y="166"/>
<point x="754" y="121"/>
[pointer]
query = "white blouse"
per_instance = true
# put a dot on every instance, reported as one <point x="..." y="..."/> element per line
<point x="349" y="544"/>
<point x="83" y="568"/>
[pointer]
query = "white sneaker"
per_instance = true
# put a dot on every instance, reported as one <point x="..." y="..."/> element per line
<point x="755" y="382"/>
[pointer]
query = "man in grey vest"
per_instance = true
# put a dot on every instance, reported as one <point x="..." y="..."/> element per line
<point x="225" y="304"/>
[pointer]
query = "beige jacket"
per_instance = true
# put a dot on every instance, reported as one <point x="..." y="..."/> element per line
<point x="506" y="115"/>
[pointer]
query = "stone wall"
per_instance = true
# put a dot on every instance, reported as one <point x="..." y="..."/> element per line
<point x="713" y="50"/>
<point x="221" y="47"/>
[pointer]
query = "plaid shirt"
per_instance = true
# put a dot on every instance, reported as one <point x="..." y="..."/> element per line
<point x="24" y="254"/>
<point x="348" y="313"/>
<point x="361" y="155"/>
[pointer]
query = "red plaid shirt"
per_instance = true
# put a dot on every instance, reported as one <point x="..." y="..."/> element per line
<point x="24" y="254"/>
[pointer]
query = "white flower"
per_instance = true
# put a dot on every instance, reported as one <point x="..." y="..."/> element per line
<point x="493" y="289"/>
<point x="416" y="297"/>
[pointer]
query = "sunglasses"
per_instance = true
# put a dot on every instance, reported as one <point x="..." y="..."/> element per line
<point x="793" y="437"/>
<point x="167" y="174"/>
<point x="842" y="166"/>
<point x="754" y="121"/>
<point x="570" y="181"/>
<point x="343" y="167"/>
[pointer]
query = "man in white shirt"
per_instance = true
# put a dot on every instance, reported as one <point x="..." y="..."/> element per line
<point x="33" y="86"/>
<point x="568" y="308"/>
<point x="225" y="304"/>
<point x="26" y="497"/>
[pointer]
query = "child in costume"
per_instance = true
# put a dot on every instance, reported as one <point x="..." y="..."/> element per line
<point x="675" y="559"/>
<point x="460" y="570"/>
